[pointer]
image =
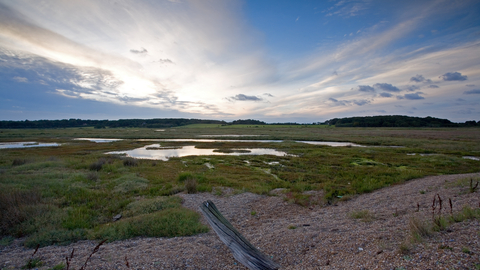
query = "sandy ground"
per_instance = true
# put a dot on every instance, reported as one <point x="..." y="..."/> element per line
<point x="316" y="237"/>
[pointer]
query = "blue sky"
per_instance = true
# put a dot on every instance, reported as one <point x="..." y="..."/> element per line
<point x="276" y="61"/>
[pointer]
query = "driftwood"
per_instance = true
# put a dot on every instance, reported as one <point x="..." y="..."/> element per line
<point x="242" y="250"/>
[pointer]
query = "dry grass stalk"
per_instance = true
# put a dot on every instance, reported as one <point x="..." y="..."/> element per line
<point x="91" y="254"/>
<point x="126" y="262"/>
<point x="451" y="206"/>
<point x="472" y="187"/>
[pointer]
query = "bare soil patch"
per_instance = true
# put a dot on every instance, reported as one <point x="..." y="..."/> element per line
<point x="316" y="237"/>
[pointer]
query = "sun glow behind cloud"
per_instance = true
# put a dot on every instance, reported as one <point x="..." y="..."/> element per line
<point x="203" y="58"/>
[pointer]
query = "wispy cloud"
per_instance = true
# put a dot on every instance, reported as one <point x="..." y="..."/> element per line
<point x="20" y="79"/>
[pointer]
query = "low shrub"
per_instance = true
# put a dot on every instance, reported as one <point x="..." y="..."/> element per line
<point x="130" y="162"/>
<point x="92" y="176"/>
<point x="18" y="162"/>
<point x="14" y="207"/>
<point x="191" y="186"/>
<point x="97" y="166"/>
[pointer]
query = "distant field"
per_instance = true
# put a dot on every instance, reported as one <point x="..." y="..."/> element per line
<point x="57" y="195"/>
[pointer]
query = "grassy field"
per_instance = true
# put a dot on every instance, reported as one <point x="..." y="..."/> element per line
<point x="57" y="195"/>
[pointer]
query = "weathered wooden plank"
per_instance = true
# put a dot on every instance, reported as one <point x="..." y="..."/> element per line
<point x="242" y="250"/>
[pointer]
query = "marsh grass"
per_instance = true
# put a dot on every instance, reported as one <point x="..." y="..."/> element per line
<point x="420" y="229"/>
<point x="68" y="193"/>
<point x="166" y="223"/>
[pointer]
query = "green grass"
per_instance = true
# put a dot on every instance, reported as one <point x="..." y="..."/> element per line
<point x="55" y="196"/>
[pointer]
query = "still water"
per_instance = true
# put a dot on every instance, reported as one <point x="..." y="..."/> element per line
<point x="155" y="151"/>
<point x="97" y="140"/>
<point x="9" y="145"/>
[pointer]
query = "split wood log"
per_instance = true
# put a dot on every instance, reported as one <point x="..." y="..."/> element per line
<point x="242" y="250"/>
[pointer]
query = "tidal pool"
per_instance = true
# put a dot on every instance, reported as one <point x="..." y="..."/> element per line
<point x="155" y="151"/>
<point x="9" y="145"/>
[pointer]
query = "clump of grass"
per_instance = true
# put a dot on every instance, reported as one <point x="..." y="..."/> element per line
<point x="363" y="215"/>
<point x="404" y="248"/>
<point x="49" y="236"/>
<point x="166" y="223"/>
<point x="466" y="250"/>
<point x="32" y="263"/>
<point x="253" y="213"/>
<point x="182" y="177"/>
<point x="59" y="266"/>
<point x="292" y="227"/>
<point x="440" y="223"/>
<point x="466" y="213"/>
<point x="419" y="229"/>
<point x="147" y="206"/>
<point x="298" y="198"/>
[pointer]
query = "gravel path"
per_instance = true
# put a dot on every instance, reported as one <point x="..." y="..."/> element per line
<point x="317" y="237"/>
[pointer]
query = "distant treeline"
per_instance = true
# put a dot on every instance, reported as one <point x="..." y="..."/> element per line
<point x="396" y="121"/>
<point x="366" y="121"/>
<point x="147" y="123"/>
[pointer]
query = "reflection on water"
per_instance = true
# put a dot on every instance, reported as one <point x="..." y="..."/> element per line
<point x="158" y="153"/>
<point x="97" y="140"/>
<point x="10" y="145"/>
<point x="206" y="140"/>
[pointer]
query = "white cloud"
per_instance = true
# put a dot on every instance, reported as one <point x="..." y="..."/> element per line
<point x="207" y="41"/>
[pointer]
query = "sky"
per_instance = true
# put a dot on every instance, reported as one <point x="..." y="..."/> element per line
<point x="271" y="60"/>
